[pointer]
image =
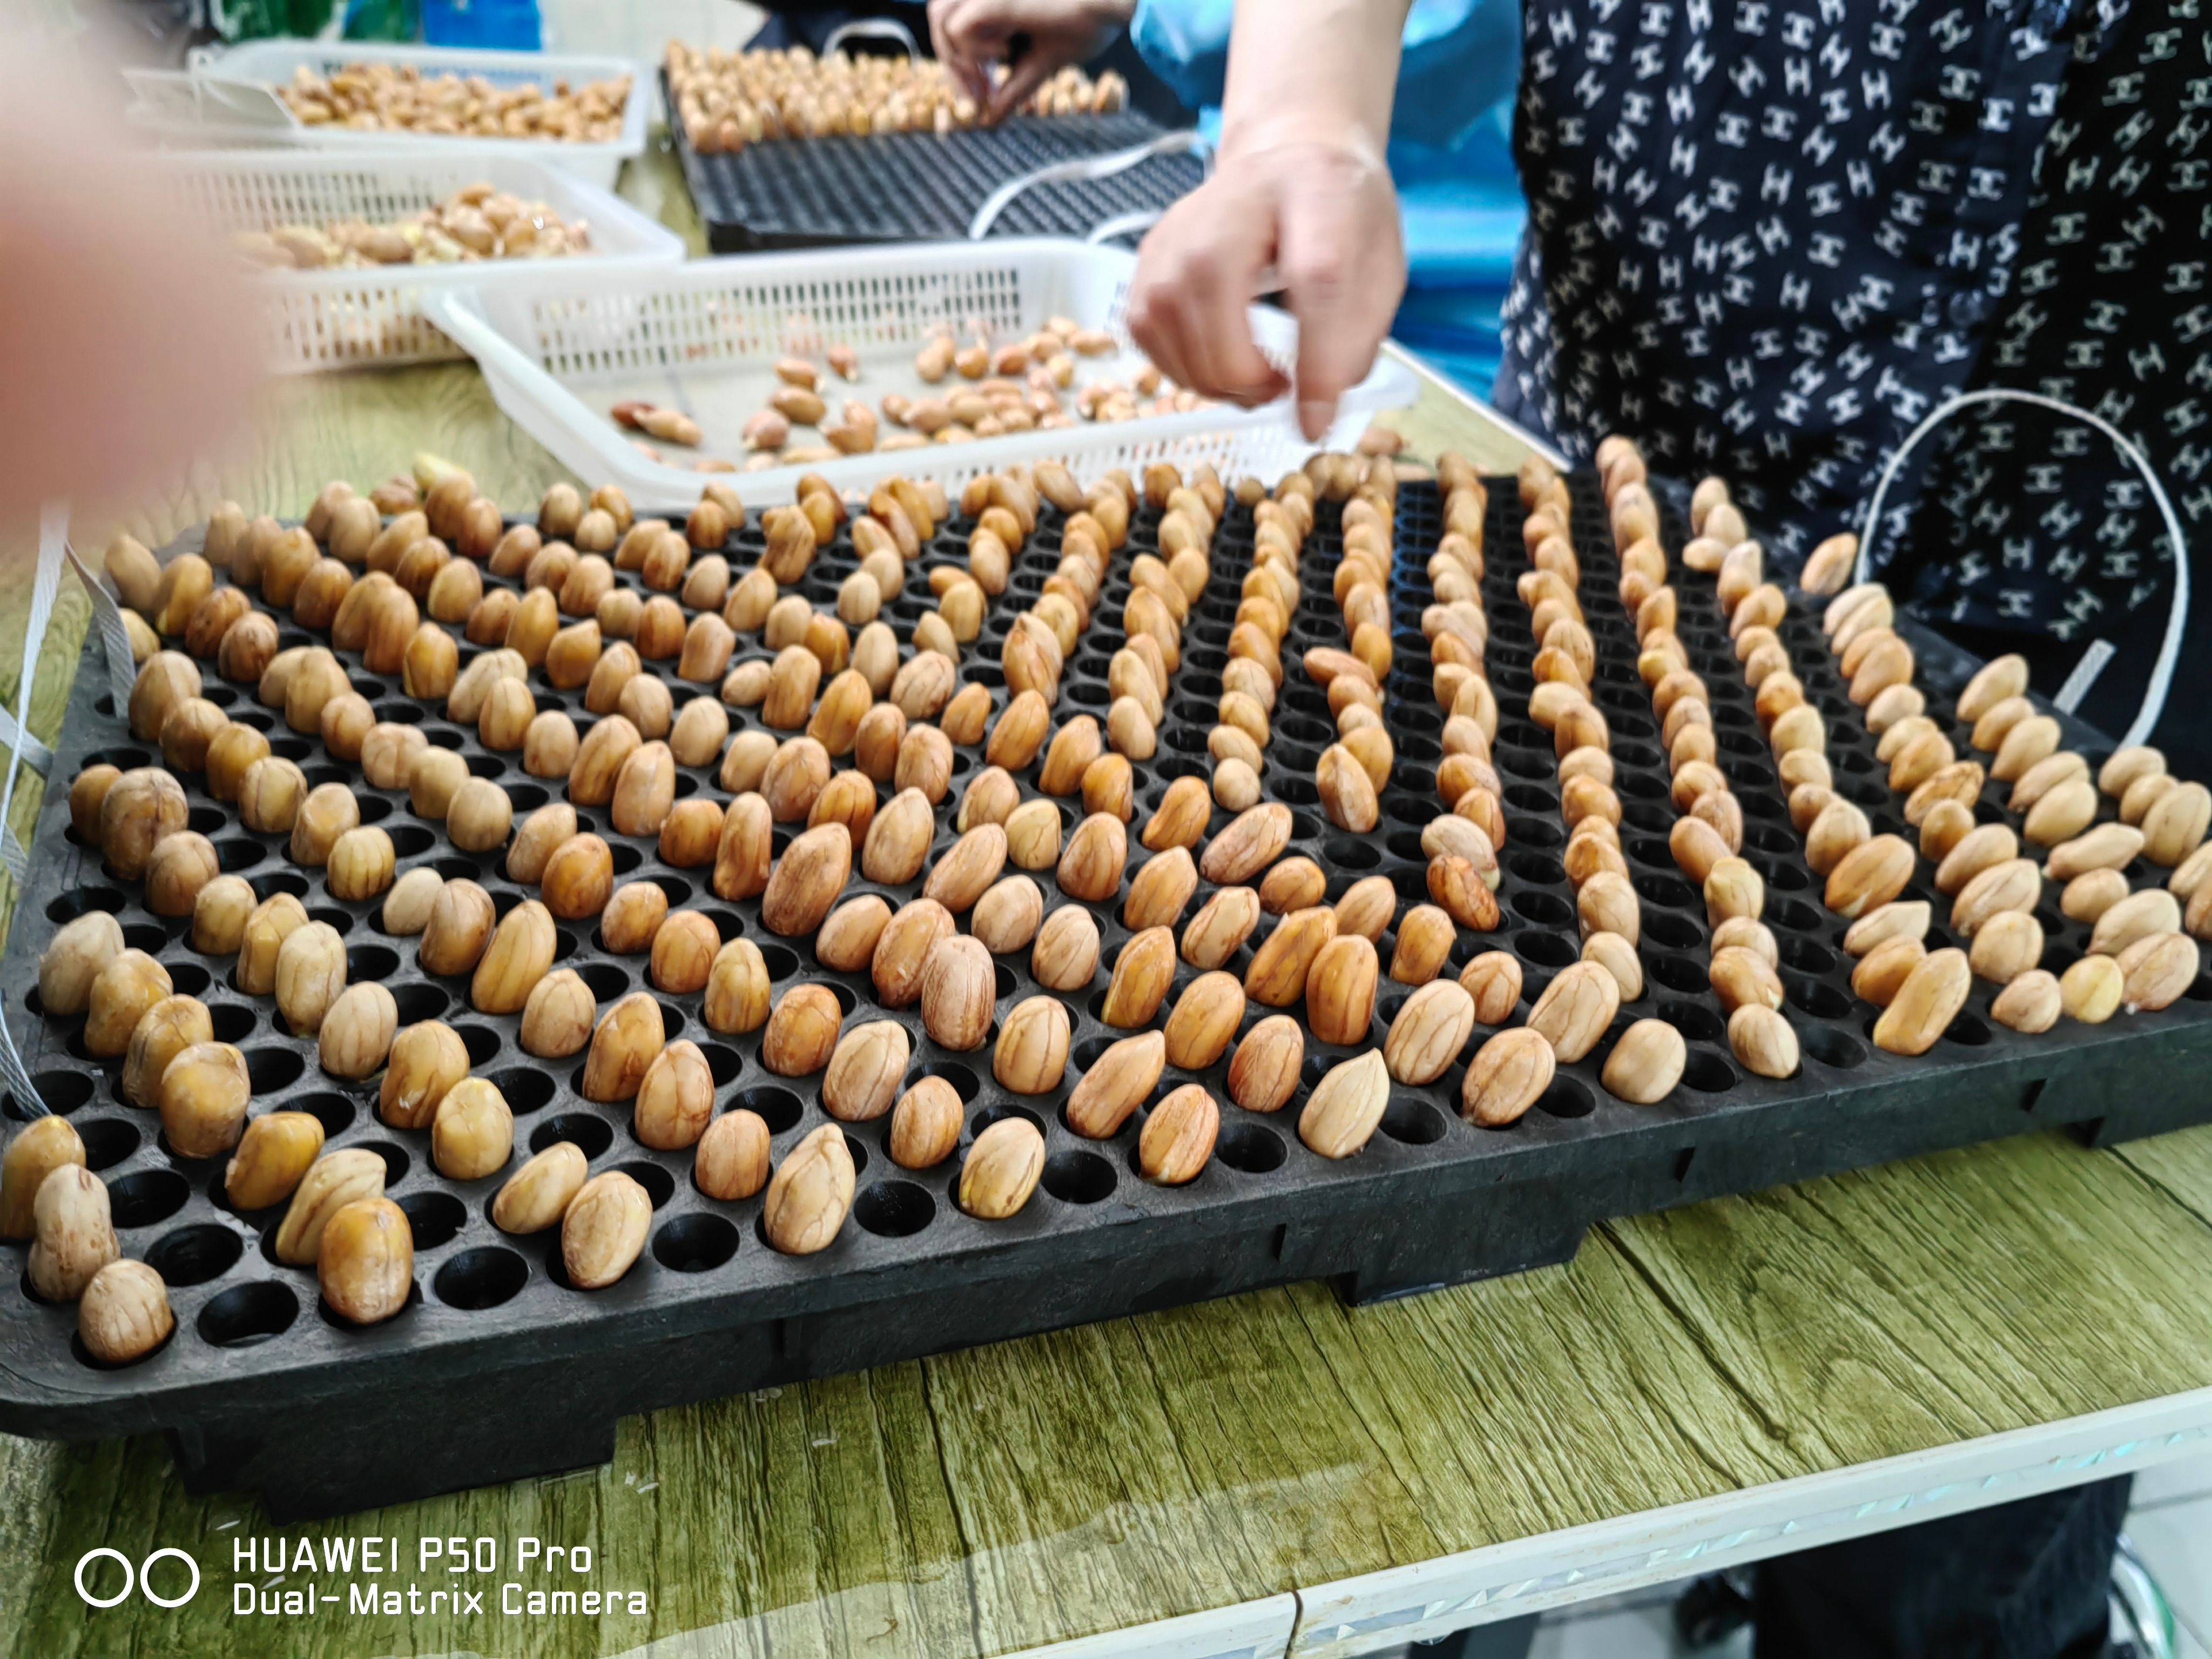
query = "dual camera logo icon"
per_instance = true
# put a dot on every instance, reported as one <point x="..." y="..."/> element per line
<point x="140" y="1577"/>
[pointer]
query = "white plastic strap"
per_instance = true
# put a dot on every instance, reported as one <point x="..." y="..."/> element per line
<point x="872" y="28"/>
<point x="114" y="637"/>
<point x="2084" y="676"/>
<point x="53" y="540"/>
<point x="2177" y="619"/>
<point x="1086" y="168"/>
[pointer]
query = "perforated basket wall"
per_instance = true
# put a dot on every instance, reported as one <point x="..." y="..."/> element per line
<point x="318" y="320"/>
<point x="261" y="1387"/>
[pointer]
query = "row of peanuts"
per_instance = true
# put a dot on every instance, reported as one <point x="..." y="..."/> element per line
<point x="727" y="99"/>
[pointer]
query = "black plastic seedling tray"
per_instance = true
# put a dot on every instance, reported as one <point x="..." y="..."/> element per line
<point x="925" y="186"/>
<point x="260" y="1388"/>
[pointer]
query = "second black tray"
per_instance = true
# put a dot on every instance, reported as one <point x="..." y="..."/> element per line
<point x="924" y="186"/>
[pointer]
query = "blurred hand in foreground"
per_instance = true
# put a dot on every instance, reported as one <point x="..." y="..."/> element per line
<point x="126" y="332"/>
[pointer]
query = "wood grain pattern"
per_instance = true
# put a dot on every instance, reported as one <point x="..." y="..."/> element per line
<point x="983" y="1502"/>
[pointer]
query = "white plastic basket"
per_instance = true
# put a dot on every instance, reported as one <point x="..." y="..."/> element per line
<point x="318" y="319"/>
<point x="227" y="98"/>
<point x="559" y="347"/>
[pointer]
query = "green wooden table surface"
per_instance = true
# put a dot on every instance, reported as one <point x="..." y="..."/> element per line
<point x="1056" y="1487"/>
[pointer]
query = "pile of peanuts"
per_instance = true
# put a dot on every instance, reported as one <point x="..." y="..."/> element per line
<point x="1020" y="386"/>
<point x="727" y="100"/>
<point x="400" y="98"/>
<point x="475" y="222"/>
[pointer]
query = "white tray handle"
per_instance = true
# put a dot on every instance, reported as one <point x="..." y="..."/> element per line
<point x="872" y="28"/>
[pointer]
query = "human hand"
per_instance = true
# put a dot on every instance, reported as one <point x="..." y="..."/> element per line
<point x="1324" y="213"/>
<point x="970" y="35"/>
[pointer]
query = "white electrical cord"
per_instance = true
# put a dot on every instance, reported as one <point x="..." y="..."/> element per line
<point x="1086" y="168"/>
<point x="2176" y="620"/>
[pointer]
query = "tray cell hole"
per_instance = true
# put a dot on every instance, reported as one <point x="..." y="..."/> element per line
<point x="1671" y="892"/>
<point x="728" y="924"/>
<point x="1807" y="957"/>
<point x="146" y="936"/>
<point x="1829" y="1046"/>
<point x="433" y="1219"/>
<point x="1003" y="982"/>
<point x="2200" y="989"/>
<point x="1405" y="844"/>
<point x="230" y="1023"/>
<point x="418" y="1002"/>
<point x="1294" y="790"/>
<point x="397" y="713"/>
<point x="1644" y="786"/>
<point x="374" y="808"/>
<point x="446" y="737"/>
<point x="1680" y="974"/>
<point x="71" y="905"/>
<point x="605" y="982"/>
<point x="1568" y="1096"/>
<point x="1545" y="950"/>
<point x="338" y="921"/>
<point x="698" y="1243"/>
<point x="1344" y="853"/>
<point x="627" y="858"/>
<point x="189" y="979"/>
<point x="1635" y="757"/>
<point x="1762" y="802"/>
<point x="365" y="963"/>
<point x="1781" y="877"/>
<point x="268" y="1070"/>
<point x="1530" y="798"/>
<point x="1527" y="866"/>
<point x="783" y="961"/>
<point x="1967" y="1031"/>
<point x="205" y="820"/>
<point x="679" y="891"/>
<point x="237" y="853"/>
<point x="457" y="869"/>
<point x="295" y="749"/>
<point x="1416" y="807"/>
<point x="891" y="1209"/>
<point x="1672" y="931"/>
<point x="1088" y="693"/>
<point x="589" y="1133"/>
<point x="332" y="1110"/>
<point x="660" y="1185"/>
<point x="1707" y="1073"/>
<point x="107" y="1142"/>
<point x="524" y="1089"/>
<point x="1795" y="914"/>
<point x="1413" y="1122"/>
<point x="486" y="766"/>
<point x="195" y="1255"/>
<point x="1251" y="1148"/>
<point x="723" y="1065"/>
<point x="248" y="1314"/>
<point x="482" y="1042"/>
<point x="148" y="1197"/>
<point x="482" y="1277"/>
<point x="1545" y="910"/>
<point x="123" y="759"/>
<point x="1525" y="763"/>
<point x="1652" y="820"/>
<point x="1696" y="1022"/>
<point x="1538" y="832"/>
<point x="411" y="840"/>
<point x="63" y="1092"/>
<point x="779" y="1108"/>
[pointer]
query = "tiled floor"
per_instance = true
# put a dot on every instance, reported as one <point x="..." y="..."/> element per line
<point x="2171" y="1525"/>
